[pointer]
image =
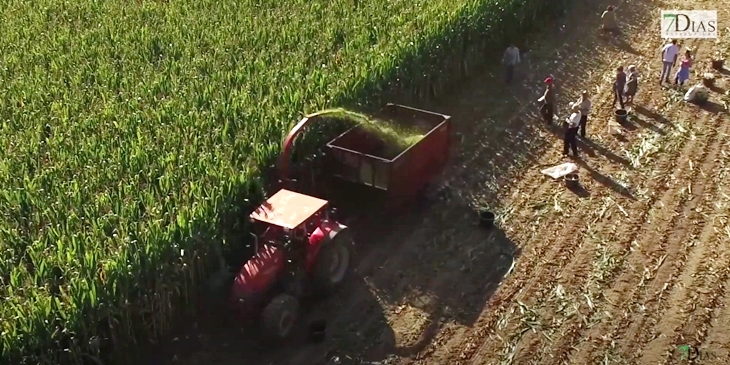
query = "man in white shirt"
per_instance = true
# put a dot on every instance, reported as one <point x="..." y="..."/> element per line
<point x="510" y="59"/>
<point x="669" y="58"/>
<point x="584" y="105"/>
<point x="609" y="22"/>
<point x="570" y="141"/>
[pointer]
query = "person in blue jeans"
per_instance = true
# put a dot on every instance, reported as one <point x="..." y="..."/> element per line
<point x="669" y="58"/>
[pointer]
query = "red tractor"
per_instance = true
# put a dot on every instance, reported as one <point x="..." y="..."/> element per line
<point x="300" y="249"/>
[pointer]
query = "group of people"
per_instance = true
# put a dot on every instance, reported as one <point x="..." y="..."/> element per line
<point x="670" y="53"/>
<point x="624" y="88"/>
<point x="577" y="121"/>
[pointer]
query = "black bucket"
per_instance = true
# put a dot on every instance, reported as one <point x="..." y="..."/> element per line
<point x="486" y="218"/>
<point x="317" y="330"/>
<point x="718" y="64"/>
<point x="621" y="115"/>
<point x="572" y="180"/>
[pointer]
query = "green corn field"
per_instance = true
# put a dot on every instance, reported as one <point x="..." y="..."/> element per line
<point x="133" y="134"/>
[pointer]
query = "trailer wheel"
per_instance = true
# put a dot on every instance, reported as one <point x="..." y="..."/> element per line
<point x="333" y="264"/>
<point x="279" y="317"/>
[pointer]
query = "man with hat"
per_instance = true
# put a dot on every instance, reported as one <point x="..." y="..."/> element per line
<point x="571" y="132"/>
<point x="548" y="98"/>
<point x="584" y="105"/>
<point x="632" y="84"/>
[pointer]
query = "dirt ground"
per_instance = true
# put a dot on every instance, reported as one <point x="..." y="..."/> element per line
<point x="622" y="272"/>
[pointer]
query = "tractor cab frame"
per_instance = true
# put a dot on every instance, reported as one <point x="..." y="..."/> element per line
<point x="299" y="251"/>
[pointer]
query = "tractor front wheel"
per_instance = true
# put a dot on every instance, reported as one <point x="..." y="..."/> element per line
<point x="279" y="317"/>
<point x="333" y="264"/>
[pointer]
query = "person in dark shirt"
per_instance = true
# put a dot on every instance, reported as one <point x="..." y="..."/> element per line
<point x="632" y="85"/>
<point x="618" y="86"/>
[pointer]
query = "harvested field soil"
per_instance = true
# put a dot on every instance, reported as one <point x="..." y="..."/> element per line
<point x="624" y="271"/>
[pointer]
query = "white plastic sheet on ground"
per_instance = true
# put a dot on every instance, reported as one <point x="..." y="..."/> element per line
<point x="696" y="92"/>
<point x="559" y="171"/>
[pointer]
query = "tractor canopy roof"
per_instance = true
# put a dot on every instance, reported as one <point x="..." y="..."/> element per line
<point x="288" y="209"/>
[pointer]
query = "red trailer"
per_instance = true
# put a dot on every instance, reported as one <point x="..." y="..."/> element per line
<point x="301" y="249"/>
<point x="354" y="164"/>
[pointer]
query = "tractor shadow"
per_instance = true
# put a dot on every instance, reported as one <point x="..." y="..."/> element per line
<point x="711" y="107"/>
<point x="716" y="89"/>
<point x="592" y="149"/>
<point x="641" y="121"/>
<point x="410" y="282"/>
<point x="219" y="338"/>
<point x="656" y="117"/>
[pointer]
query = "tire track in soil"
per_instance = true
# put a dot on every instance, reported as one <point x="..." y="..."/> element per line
<point x="697" y="295"/>
<point x="685" y="231"/>
<point x="577" y="326"/>
<point x="625" y="287"/>
<point x="559" y="252"/>
<point x="535" y="275"/>
<point x="577" y="268"/>
<point x="574" y="260"/>
<point x="708" y="298"/>
<point x="536" y="337"/>
<point x="718" y="340"/>
<point x="634" y="326"/>
<point x="564" y="254"/>
<point x="557" y="249"/>
<point x="537" y="252"/>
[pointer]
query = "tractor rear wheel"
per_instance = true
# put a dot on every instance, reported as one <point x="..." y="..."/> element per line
<point x="279" y="317"/>
<point x="333" y="264"/>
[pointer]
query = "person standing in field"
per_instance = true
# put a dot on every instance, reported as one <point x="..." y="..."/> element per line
<point x="571" y="132"/>
<point x="669" y="58"/>
<point x="548" y="98"/>
<point x="510" y="59"/>
<point x="632" y="85"/>
<point x="584" y="105"/>
<point x="609" y="24"/>
<point x="618" y="86"/>
<point x="684" y="66"/>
